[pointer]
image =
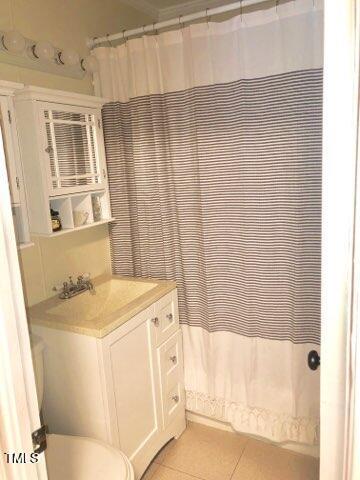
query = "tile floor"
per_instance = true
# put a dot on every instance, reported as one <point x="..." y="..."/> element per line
<point x="210" y="454"/>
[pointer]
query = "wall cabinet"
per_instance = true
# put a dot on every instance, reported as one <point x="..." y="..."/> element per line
<point x="71" y="145"/>
<point x="126" y="388"/>
<point x="9" y="133"/>
<point x="63" y="159"/>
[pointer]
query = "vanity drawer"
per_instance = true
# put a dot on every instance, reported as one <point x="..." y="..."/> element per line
<point x="170" y="362"/>
<point x="173" y="402"/>
<point x="166" y="317"/>
<point x="170" y="358"/>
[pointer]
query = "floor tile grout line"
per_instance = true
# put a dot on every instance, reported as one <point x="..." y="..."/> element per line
<point x="194" y="476"/>
<point x="229" y="476"/>
<point x="241" y="455"/>
<point x="182" y="471"/>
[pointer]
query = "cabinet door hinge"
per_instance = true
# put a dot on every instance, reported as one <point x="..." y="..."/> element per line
<point x="17" y="183"/>
<point x="39" y="439"/>
<point x="9" y="116"/>
<point x="99" y="122"/>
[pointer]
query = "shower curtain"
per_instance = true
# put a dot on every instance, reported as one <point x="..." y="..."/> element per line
<point x="213" y="143"/>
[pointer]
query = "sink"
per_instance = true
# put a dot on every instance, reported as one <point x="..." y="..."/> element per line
<point x="107" y="297"/>
<point x="114" y="300"/>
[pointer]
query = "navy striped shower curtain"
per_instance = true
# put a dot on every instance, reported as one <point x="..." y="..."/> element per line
<point x="213" y="141"/>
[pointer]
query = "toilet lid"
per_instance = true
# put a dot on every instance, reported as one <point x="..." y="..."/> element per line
<point x="82" y="458"/>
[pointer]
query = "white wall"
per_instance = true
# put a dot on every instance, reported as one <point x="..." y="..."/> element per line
<point x="65" y="23"/>
<point x="52" y="260"/>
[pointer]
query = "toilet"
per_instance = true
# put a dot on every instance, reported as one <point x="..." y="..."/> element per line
<point x="74" y="457"/>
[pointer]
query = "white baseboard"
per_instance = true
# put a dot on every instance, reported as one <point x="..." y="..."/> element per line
<point x="312" y="450"/>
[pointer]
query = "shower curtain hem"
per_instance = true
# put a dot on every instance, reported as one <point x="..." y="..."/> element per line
<point x="261" y="422"/>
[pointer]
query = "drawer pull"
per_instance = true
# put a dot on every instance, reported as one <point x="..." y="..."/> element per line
<point x="155" y="321"/>
<point x="175" y="398"/>
<point x="173" y="358"/>
<point x="169" y="316"/>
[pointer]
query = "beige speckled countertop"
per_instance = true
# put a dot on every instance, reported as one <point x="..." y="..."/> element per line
<point x="113" y="302"/>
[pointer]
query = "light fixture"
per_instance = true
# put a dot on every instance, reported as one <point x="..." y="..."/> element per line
<point x="69" y="57"/>
<point x="90" y="64"/>
<point x="24" y="52"/>
<point x="43" y="50"/>
<point x="13" y="41"/>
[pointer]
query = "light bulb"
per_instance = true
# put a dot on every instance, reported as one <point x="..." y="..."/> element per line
<point x="69" y="57"/>
<point x="14" y="42"/>
<point x="44" y="50"/>
<point x="90" y="64"/>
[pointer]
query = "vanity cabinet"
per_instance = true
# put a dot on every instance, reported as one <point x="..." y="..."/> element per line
<point x="10" y="140"/>
<point x="125" y="388"/>
<point x="64" y="159"/>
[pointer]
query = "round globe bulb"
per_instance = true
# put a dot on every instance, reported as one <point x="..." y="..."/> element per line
<point x="14" y="42"/>
<point x="44" y="50"/>
<point x="90" y="64"/>
<point x="69" y="57"/>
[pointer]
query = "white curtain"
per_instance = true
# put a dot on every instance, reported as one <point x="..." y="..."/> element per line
<point x="255" y="378"/>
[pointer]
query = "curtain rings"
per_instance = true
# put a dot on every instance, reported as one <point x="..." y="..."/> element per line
<point x="124" y="38"/>
<point x="155" y="30"/>
<point x="181" y="25"/>
<point x="207" y="17"/>
<point x="276" y="7"/>
<point x="108" y="40"/>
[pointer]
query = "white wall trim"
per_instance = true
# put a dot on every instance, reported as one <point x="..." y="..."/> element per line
<point x="181" y="9"/>
<point x="144" y="7"/>
<point x="19" y="413"/>
<point x="340" y="140"/>
<point x="187" y="8"/>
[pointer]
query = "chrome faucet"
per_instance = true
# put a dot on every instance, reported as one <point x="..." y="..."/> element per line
<point x="70" y="289"/>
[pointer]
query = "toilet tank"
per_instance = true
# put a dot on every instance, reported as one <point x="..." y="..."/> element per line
<point x="37" y="348"/>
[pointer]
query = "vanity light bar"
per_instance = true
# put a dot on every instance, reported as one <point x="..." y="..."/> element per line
<point x="18" y="50"/>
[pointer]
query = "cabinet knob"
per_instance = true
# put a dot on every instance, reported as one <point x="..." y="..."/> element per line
<point x="155" y="321"/>
<point x="169" y="316"/>
<point x="175" y="398"/>
<point x="173" y="358"/>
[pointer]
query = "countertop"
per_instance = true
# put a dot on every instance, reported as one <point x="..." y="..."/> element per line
<point x="113" y="302"/>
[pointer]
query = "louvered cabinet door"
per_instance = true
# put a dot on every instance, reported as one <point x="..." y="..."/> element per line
<point x="72" y="147"/>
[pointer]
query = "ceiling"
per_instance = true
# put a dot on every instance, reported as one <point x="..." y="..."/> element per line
<point x="164" y="9"/>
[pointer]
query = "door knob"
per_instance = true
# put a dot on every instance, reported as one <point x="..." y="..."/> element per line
<point x="313" y="360"/>
<point x="176" y="398"/>
<point x="173" y="358"/>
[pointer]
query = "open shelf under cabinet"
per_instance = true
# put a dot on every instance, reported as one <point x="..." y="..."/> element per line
<point x="79" y="211"/>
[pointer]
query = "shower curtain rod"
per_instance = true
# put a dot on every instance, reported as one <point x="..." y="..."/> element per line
<point x="174" y="21"/>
